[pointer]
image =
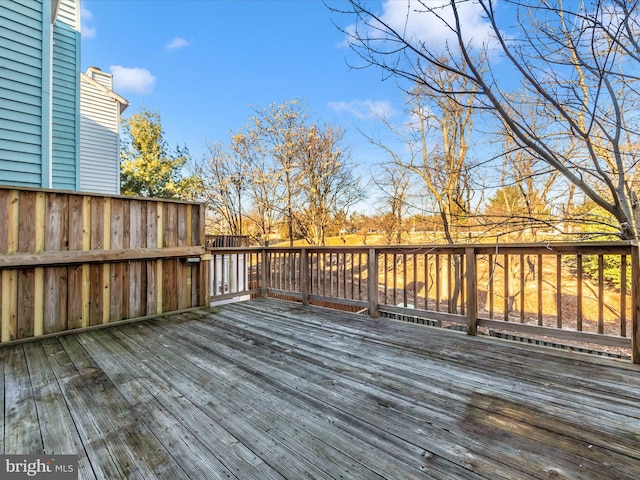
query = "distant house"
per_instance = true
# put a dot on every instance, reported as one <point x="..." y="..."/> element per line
<point x="40" y="93"/>
<point x="100" y="112"/>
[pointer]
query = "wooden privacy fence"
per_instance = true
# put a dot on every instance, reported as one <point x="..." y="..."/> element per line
<point x="70" y="261"/>
<point x="578" y="292"/>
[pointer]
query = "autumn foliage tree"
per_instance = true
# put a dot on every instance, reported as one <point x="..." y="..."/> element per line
<point x="149" y="168"/>
<point x="280" y="173"/>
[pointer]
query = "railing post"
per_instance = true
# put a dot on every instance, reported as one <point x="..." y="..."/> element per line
<point x="372" y="282"/>
<point x="635" y="302"/>
<point x="264" y="274"/>
<point x="472" y="291"/>
<point x="304" y="276"/>
<point x="206" y="273"/>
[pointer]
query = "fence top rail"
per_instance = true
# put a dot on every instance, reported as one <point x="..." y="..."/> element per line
<point x="97" y="195"/>
<point x="543" y="248"/>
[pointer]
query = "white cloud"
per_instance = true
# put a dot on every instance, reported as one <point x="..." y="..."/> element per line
<point x="417" y="21"/>
<point x="363" y="109"/>
<point x="85" y="14"/>
<point x="86" y="30"/>
<point x="177" y="43"/>
<point x="132" y="80"/>
<point x="421" y="25"/>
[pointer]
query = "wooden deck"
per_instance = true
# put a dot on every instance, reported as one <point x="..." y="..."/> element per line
<point x="269" y="389"/>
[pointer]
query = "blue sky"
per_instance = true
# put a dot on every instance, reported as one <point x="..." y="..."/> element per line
<point x="202" y="63"/>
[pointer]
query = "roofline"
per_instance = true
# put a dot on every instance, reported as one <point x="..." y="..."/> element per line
<point x="124" y="103"/>
<point x="55" y="5"/>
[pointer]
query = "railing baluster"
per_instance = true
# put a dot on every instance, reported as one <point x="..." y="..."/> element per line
<point x="635" y="304"/>
<point x="450" y="299"/>
<point x="472" y="291"/>
<point x="507" y="279"/>
<point x="461" y="277"/>
<point x="540" y="298"/>
<point x="600" y="293"/>
<point x="559" y="291"/>
<point x="404" y="280"/>
<point x="579" y="281"/>
<point x="437" y="267"/>
<point x="490" y="286"/>
<point x="522" y="285"/>
<point x="623" y="295"/>
<point x="395" y="279"/>
<point x="415" y="280"/>
<point x="372" y="287"/>
<point x="385" y="274"/>
<point x="304" y="276"/>
<point x="426" y="281"/>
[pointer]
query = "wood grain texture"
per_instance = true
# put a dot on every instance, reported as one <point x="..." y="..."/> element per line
<point x="270" y="389"/>
<point x="71" y="260"/>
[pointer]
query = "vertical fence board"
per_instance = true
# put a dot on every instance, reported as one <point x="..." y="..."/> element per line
<point x="47" y="299"/>
<point x="116" y="312"/>
<point x="136" y="219"/>
<point x="56" y="282"/>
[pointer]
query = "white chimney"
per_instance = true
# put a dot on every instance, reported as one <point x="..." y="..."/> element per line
<point x="101" y="77"/>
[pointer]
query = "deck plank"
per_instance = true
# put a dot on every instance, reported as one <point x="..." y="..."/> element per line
<point x="598" y="406"/>
<point x="59" y="434"/>
<point x="267" y="389"/>
<point x="232" y="410"/>
<point x="21" y="430"/>
<point x="470" y="452"/>
<point x="278" y="406"/>
<point x="156" y="399"/>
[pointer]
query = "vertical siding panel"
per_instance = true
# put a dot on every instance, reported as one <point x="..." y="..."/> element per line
<point x="66" y="97"/>
<point x="99" y="138"/>
<point x="21" y="82"/>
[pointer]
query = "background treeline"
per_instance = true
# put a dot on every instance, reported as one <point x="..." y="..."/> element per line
<point x="529" y="134"/>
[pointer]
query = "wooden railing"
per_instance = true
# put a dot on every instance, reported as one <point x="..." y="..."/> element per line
<point x="581" y="293"/>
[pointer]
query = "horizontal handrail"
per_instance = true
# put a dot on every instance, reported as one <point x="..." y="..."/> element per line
<point x="71" y="257"/>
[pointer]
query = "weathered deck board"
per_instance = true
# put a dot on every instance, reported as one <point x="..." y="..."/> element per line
<point x="269" y="389"/>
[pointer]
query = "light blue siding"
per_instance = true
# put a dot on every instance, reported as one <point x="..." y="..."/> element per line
<point x="39" y="94"/>
<point x="66" y="98"/>
<point x="21" y="57"/>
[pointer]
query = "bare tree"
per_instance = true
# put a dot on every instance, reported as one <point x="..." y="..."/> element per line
<point x="522" y="205"/>
<point x="262" y="189"/>
<point x="394" y="186"/>
<point x="327" y="184"/>
<point x="224" y="174"/>
<point x="573" y="65"/>
<point x="279" y="129"/>
<point x="442" y="130"/>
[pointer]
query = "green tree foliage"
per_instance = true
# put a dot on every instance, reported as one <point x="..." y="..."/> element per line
<point x="515" y="212"/>
<point x="148" y="167"/>
<point x="597" y="223"/>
